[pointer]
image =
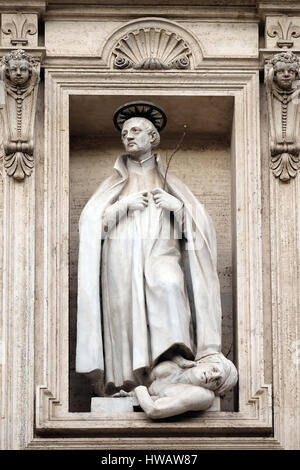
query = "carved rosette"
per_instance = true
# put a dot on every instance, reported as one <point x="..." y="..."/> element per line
<point x="151" y="49"/>
<point x="20" y="75"/>
<point x="282" y="84"/>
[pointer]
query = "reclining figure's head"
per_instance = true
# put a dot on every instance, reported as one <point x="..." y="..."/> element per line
<point x="219" y="373"/>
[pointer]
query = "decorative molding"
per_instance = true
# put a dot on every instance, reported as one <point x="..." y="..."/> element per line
<point x="30" y="6"/>
<point x="52" y="399"/>
<point x="108" y="10"/>
<point x="20" y="75"/>
<point x="18" y="28"/>
<point x="152" y="43"/>
<point x="51" y="415"/>
<point x="277" y="7"/>
<point x="282" y="32"/>
<point x="285" y="31"/>
<point x="152" y="49"/>
<point x="147" y="442"/>
<point x="283" y="109"/>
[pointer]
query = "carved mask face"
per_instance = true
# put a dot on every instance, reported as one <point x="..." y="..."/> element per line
<point x="209" y="375"/>
<point x="18" y="71"/>
<point x="285" y="75"/>
<point x="137" y="137"/>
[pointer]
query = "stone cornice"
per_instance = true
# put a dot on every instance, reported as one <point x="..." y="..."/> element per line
<point x="32" y="6"/>
<point x="170" y="3"/>
<point x="197" y="8"/>
<point x="209" y="12"/>
<point x="276" y="7"/>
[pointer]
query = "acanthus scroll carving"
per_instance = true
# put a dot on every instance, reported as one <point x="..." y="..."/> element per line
<point x="282" y="80"/>
<point x="20" y="75"/>
<point x="151" y="49"/>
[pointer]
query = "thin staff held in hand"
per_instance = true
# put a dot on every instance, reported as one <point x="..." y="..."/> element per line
<point x="173" y="153"/>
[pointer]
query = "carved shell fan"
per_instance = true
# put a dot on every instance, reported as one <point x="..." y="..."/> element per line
<point x="150" y="49"/>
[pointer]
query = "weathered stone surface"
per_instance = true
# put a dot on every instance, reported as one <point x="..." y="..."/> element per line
<point x="258" y="259"/>
<point x="113" y="406"/>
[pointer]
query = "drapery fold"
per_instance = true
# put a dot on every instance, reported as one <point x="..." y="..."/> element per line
<point x="200" y="250"/>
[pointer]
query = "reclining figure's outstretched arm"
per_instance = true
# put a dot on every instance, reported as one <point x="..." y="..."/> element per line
<point x="181" y="398"/>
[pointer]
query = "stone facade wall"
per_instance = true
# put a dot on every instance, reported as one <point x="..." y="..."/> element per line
<point x="241" y="159"/>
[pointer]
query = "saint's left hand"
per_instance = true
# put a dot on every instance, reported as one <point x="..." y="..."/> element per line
<point x="166" y="200"/>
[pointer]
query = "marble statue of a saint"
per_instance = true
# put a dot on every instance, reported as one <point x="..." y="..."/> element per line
<point x="148" y="288"/>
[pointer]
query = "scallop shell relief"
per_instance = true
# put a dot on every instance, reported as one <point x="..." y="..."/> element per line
<point x="152" y="49"/>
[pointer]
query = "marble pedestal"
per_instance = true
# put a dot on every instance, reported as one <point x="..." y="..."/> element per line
<point x="113" y="406"/>
<point x="117" y="406"/>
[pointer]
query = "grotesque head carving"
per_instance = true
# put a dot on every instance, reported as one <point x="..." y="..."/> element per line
<point x="286" y="67"/>
<point x="18" y="67"/>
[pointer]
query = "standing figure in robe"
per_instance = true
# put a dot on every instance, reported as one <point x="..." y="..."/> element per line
<point x="148" y="289"/>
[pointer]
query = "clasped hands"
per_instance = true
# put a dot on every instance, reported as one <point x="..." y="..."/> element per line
<point x="140" y="200"/>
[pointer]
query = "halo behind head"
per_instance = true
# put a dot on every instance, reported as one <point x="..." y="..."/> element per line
<point x="142" y="109"/>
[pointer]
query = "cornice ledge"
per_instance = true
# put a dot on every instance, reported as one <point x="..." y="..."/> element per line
<point x="277" y="7"/>
<point x="32" y="6"/>
<point x="90" y="12"/>
<point x="37" y="52"/>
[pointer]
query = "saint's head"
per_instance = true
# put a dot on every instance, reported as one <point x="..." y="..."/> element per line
<point x="139" y="136"/>
<point x="140" y="124"/>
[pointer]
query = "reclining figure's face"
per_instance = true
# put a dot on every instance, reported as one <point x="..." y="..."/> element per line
<point x="137" y="136"/>
<point x="209" y="375"/>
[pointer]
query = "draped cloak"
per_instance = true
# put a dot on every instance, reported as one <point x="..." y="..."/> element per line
<point x="96" y="341"/>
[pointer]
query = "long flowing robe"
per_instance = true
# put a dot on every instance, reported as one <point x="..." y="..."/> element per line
<point x="151" y="281"/>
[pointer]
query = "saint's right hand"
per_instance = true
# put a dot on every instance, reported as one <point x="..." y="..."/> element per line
<point x="136" y="201"/>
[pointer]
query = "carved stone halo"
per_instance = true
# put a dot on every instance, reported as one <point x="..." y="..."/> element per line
<point x="144" y="109"/>
<point x="152" y="49"/>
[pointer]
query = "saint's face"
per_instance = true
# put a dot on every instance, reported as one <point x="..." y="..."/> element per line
<point x="136" y="137"/>
<point x="18" y="71"/>
<point x="209" y="375"/>
<point x="285" y="75"/>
